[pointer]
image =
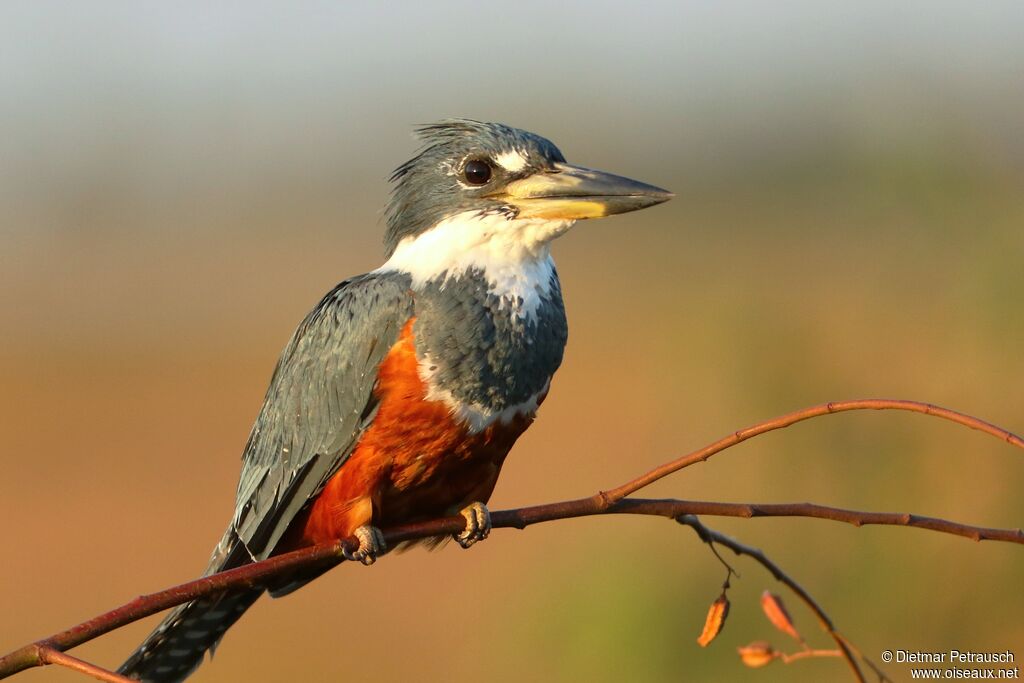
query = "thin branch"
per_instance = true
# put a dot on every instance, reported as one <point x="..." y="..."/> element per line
<point x="857" y="518"/>
<point x="521" y="518"/>
<point x="247" y="576"/>
<point x="789" y="419"/>
<point x="606" y="502"/>
<point x="874" y="667"/>
<point x="48" y="655"/>
<point x="848" y="647"/>
<point x="807" y="654"/>
<point x="710" y="536"/>
<point x="257" y="574"/>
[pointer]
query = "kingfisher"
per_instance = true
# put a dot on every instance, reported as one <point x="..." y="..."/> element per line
<point x="400" y="394"/>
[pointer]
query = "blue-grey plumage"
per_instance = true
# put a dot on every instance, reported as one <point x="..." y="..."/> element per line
<point x="487" y="359"/>
<point x="465" y="317"/>
<point x="319" y="402"/>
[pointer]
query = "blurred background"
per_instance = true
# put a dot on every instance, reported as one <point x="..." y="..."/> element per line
<point x="180" y="182"/>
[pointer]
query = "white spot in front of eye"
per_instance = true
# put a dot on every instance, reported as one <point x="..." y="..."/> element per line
<point x="512" y="161"/>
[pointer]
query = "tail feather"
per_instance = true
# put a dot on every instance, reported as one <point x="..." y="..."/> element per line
<point x="177" y="646"/>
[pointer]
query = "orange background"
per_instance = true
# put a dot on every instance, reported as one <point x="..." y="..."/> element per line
<point x="180" y="184"/>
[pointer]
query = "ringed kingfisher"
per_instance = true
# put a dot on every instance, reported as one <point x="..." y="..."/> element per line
<point x="400" y="394"/>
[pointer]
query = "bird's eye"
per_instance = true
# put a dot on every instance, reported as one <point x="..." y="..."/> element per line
<point x="477" y="172"/>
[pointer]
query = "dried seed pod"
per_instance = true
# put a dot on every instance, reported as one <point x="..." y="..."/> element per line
<point x="776" y="612"/>
<point x="757" y="654"/>
<point x="715" y="620"/>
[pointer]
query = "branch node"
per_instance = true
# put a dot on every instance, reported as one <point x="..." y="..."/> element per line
<point x="613" y="500"/>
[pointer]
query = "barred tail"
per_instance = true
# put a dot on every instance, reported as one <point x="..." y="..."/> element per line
<point x="176" y="648"/>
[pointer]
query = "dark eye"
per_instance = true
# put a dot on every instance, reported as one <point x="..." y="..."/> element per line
<point x="477" y="172"/>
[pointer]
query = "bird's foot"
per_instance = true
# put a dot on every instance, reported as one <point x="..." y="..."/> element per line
<point x="371" y="544"/>
<point x="478" y="524"/>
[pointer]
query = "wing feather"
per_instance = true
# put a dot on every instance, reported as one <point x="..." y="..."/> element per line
<point x="319" y="402"/>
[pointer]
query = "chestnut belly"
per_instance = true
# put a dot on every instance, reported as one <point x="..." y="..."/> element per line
<point x="443" y="476"/>
<point x="415" y="461"/>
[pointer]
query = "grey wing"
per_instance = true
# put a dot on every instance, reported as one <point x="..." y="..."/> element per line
<point x="319" y="403"/>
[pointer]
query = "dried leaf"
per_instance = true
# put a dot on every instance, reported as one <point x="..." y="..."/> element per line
<point x="715" y="620"/>
<point x="776" y="612"/>
<point x="757" y="654"/>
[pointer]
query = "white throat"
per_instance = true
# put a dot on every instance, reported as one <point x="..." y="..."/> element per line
<point x="513" y="255"/>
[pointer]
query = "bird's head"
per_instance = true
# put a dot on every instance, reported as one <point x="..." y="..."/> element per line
<point x="489" y="186"/>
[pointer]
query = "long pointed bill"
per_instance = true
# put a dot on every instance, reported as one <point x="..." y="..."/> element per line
<point x="574" y="193"/>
